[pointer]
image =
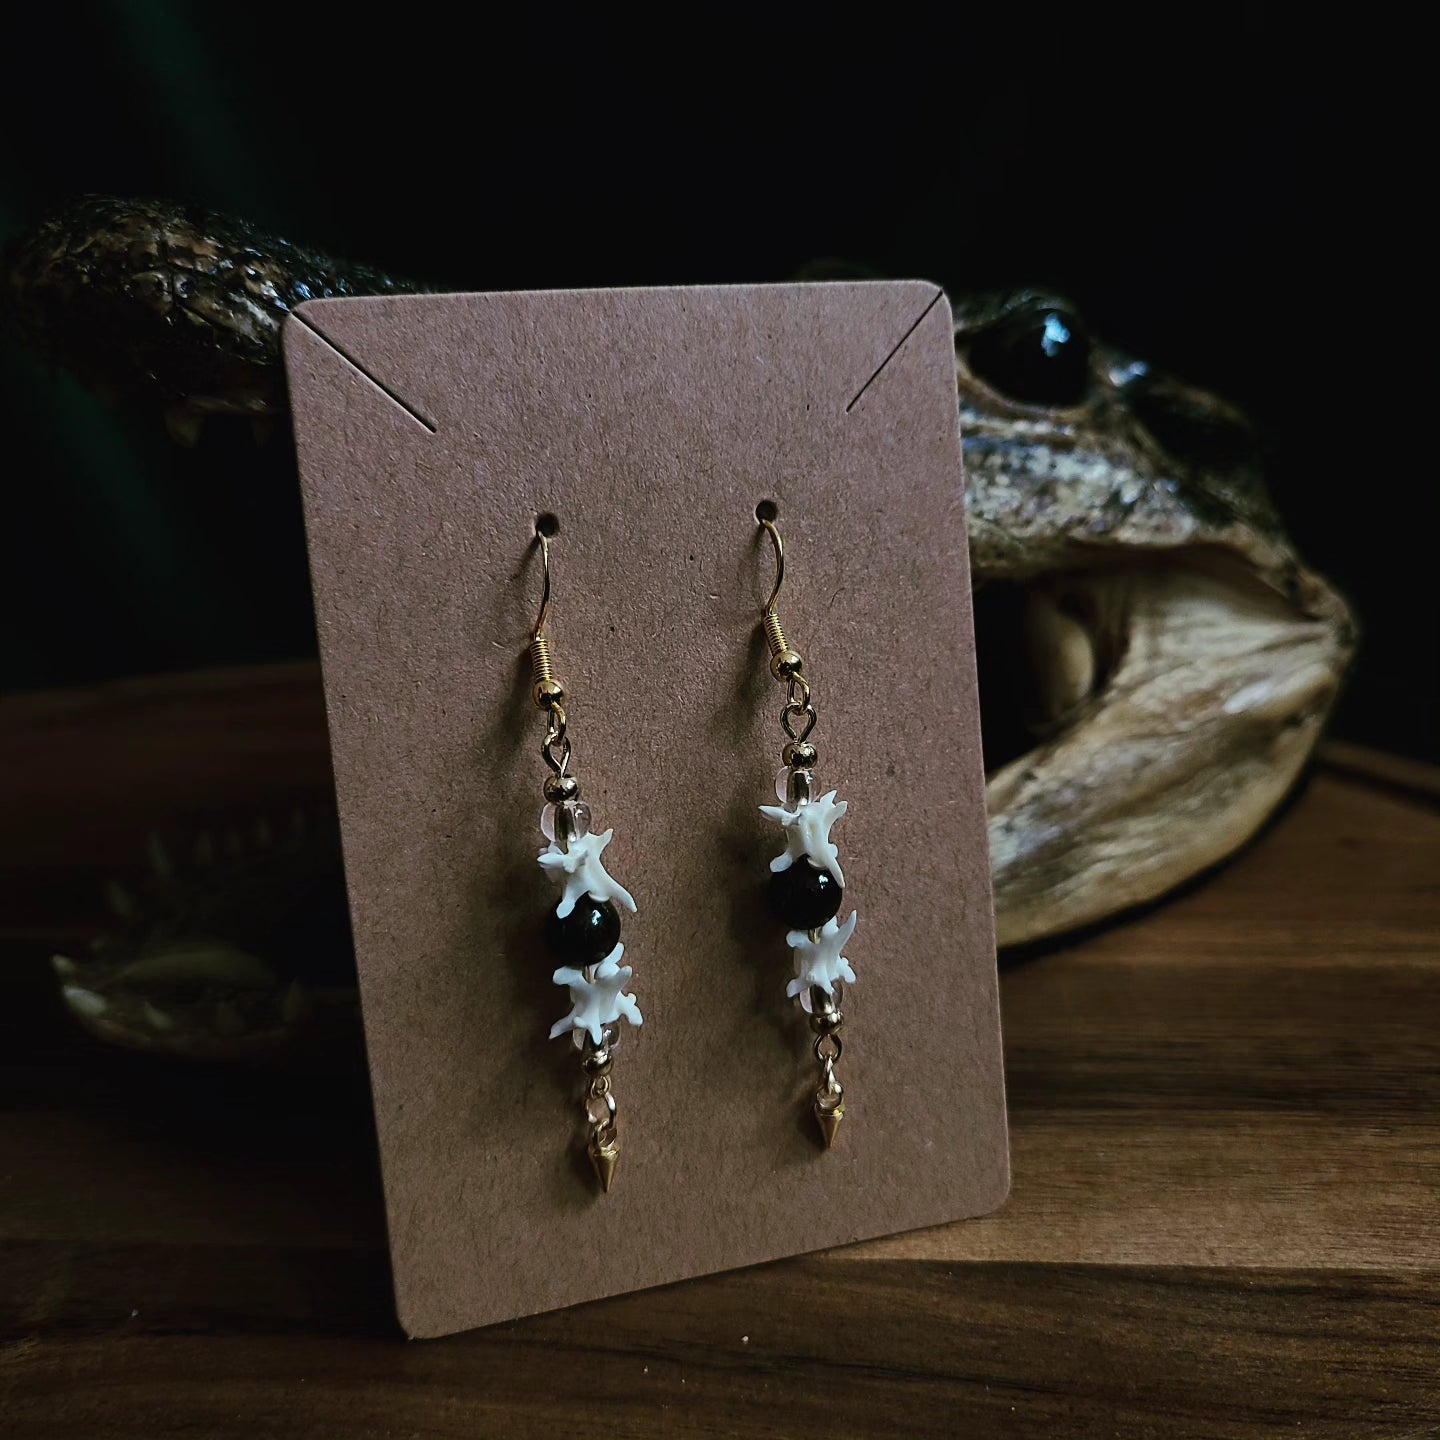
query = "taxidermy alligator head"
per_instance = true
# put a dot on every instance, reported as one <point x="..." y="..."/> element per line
<point x="1156" y="663"/>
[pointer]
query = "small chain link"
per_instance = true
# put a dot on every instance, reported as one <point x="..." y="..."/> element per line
<point x="826" y="1023"/>
<point x="600" y="1098"/>
<point x="555" y="747"/>
<point x="797" y="709"/>
<point x="598" y="1102"/>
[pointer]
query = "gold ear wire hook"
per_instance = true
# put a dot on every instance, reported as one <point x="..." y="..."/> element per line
<point x="548" y="693"/>
<point x="785" y="662"/>
<point x="544" y="540"/>
<point x="767" y="524"/>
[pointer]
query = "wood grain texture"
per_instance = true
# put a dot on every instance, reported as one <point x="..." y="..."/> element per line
<point x="1225" y="1219"/>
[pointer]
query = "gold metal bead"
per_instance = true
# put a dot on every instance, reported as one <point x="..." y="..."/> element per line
<point x="560" y="788"/>
<point x="598" y="1062"/>
<point x="785" y="663"/>
<point x="800" y="756"/>
<point x="548" y="693"/>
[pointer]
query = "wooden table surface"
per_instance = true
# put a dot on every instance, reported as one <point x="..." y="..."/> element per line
<point x="1225" y="1219"/>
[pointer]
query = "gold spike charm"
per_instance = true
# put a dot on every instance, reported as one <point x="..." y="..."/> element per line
<point x="828" y="1117"/>
<point x="600" y="1109"/>
<point x="604" y="1157"/>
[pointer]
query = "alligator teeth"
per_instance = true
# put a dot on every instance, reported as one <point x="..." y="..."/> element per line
<point x="121" y="901"/>
<point x="1062" y="656"/>
<point x="83" y="1001"/>
<point x="156" y="1018"/>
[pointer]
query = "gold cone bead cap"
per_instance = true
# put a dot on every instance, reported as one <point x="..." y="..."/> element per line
<point x="828" y="1119"/>
<point x="603" y="1160"/>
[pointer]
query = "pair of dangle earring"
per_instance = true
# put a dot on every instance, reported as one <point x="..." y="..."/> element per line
<point x="807" y="884"/>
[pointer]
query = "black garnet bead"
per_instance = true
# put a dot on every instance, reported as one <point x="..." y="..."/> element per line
<point x="805" y="896"/>
<point x="586" y="935"/>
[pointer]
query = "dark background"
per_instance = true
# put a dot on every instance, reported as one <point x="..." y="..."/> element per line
<point x="1225" y="192"/>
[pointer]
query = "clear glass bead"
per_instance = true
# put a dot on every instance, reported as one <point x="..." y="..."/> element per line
<point x="786" y="784"/>
<point x="609" y="1036"/>
<point x="579" y="813"/>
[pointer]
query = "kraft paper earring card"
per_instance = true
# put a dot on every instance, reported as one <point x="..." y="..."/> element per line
<point x="433" y="433"/>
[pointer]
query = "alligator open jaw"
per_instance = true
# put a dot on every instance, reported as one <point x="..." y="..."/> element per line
<point x="1166" y="705"/>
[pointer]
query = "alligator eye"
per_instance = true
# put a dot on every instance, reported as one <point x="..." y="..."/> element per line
<point x="1039" y="357"/>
